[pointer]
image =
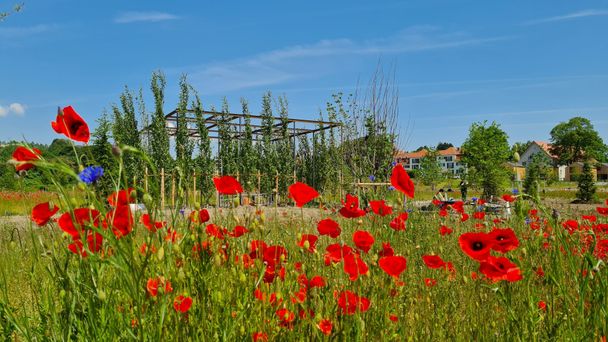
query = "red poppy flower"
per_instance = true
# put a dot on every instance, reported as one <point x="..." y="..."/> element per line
<point x="387" y="250"/>
<point x="590" y="218"/>
<point x="153" y="284"/>
<point x="302" y="193"/>
<point x="274" y="255"/>
<point x="42" y="213"/>
<point x="444" y="230"/>
<point x="200" y="216"/>
<point x="398" y="223"/>
<point x="151" y="225"/>
<point x="259" y="337"/>
<point x="602" y="211"/>
<point x="121" y="220"/>
<point x="464" y="217"/>
<point x="256" y="249"/>
<point x="501" y="268"/>
<point x="394" y="318"/>
<point x="83" y="217"/>
<point x="94" y="243"/>
<point x="182" y="304"/>
<point x="504" y="240"/>
<point x="71" y="125"/>
<point x="215" y="231"/>
<point x="393" y="265"/>
<point x="317" y="281"/>
<point x="238" y="231"/>
<point x="476" y="245"/>
<point x="542" y="305"/>
<point x="430" y="282"/>
<point x="325" y="326"/>
<point x="363" y="240"/>
<point x="329" y="227"/>
<point x="286" y="317"/>
<point x="509" y="198"/>
<point x="227" y="185"/>
<point x="571" y="226"/>
<point x="458" y="206"/>
<point x="479" y="215"/>
<point x="443" y="212"/>
<point x="23" y="155"/>
<point x="380" y="208"/>
<point x="433" y="261"/>
<point x="121" y="197"/>
<point x="351" y="208"/>
<point x="335" y="252"/>
<point x="354" y="266"/>
<point x="401" y="181"/>
<point x="349" y="303"/>
<point x="309" y="242"/>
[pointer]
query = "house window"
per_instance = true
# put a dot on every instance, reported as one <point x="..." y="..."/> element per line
<point x="449" y="158"/>
<point x="415" y="167"/>
<point x="415" y="161"/>
<point x="450" y="165"/>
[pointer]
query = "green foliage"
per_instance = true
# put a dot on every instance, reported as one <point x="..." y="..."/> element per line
<point x="268" y="159"/>
<point x="159" y="138"/>
<point x="228" y="148"/>
<point x="586" y="185"/>
<point x="101" y="150"/>
<point x="126" y="132"/>
<point x="285" y="155"/>
<point x="183" y="144"/>
<point x="519" y="148"/>
<point x="248" y="156"/>
<point x="485" y="152"/>
<point x="577" y="140"/>
<point x="538" y="169"/>
<point x="430" y="172"/>
<point x="204" y="162"/>
<point x="443" y="146"/>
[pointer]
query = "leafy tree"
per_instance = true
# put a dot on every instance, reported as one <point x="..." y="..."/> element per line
<point x="285" y="161"/>
<point x="268" y="149"/>
<point x="183" y="145"/>
<point x="159" y="138"/>
<point x="248" y="157"/>
<point x="227" y="147"/>
<point x="519" y="148"/>
<point x="125" y="132"/>
<point x="538" y="169"/>
<point x="430" y="172"/>
<point x="101" y="149"/>
<point x="485" y="152"/>
<point x="204" y="160"/>
<point x="577" y="140"/>
<point x="586" y="185"/>
<point x="443" y="146"/>
<point x="420" y="148"/>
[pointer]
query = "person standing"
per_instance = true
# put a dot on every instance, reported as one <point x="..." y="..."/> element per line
<point x="463" y="189"/>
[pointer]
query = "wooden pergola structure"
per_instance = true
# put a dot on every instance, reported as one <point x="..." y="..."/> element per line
<point x="295" y="127"/>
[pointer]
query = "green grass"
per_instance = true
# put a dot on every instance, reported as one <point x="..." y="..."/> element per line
<point x="49" y="293"/>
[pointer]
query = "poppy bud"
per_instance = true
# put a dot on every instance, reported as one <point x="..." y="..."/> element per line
<point x="61" y="293"/>
<point x="133" y="194"/>
<point x="181" y="275"/>
<point x="160" y="254"/>
<point x="175" y="248"/>
<point x="81" y="186"/>
<point x="306" y="244"/>
<point x="242" y="277"/>
<point x="217" y="260"/>
<point x="148" y="200"/>
<point x="116" y="151"/>
<point x="197" y="205"/>
<point x="73" y="202"/>
<point x="101" y="295"/>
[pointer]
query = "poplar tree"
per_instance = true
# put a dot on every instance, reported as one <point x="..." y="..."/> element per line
<point x="248" y="157"/>
<point x="285" y="160"/>
<point x="204" y="161"/>
<point x="159" y="138"/>
<point x="183" y="144"/>
<point x="268" y="150"/>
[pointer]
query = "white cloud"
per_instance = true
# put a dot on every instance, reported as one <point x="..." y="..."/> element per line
<point x="13" y="108"/>
<point x="303" y="61"/>
<point x="20" y="32"/>
<point x="132" y="17"/>
<point x="17" y="108"/>
<point x="569" y="16"/>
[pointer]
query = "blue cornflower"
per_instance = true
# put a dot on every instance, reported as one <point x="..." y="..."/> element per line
<point x="394" y="163"/>
<point x="515" y="191"/>
<point x="372" y="178"/>
<point x="182" y="211"/>
<point x="91" y="174"/>
<point x="391" y="188"/>
<point x="474" y="199"/>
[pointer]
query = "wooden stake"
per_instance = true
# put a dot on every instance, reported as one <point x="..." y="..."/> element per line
<point x="173" y="190"/>
<point x="162" y="188"/>
<point x="276" y="189"/>
<point x="194" y="186"/>
<point x="146" y="179"/>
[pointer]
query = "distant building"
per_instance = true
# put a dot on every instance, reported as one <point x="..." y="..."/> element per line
<point x="449" y="159"/>
<point x="544" y="148"/>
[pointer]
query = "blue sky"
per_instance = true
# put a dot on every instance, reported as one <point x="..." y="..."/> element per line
<point x="526" y="64"/>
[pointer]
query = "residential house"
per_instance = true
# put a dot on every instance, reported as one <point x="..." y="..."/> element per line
<point x="449" y="159"/>
<point x="544" y="148"/>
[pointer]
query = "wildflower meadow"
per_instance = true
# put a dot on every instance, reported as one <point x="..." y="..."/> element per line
<point x="97" y="267"/>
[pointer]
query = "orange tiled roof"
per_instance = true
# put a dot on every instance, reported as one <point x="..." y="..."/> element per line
<point x="451" y="151"/>
<point x="546" y="147"/>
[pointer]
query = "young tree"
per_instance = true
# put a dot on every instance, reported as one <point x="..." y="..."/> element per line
<point x="227" y="147"/>
<point x="268" y="148"/>
<point x="577" y="140"/>
<point x="126" y="132"/>
<point x="204" y="161"/>
<point x="183" y="145"/>
<point x="285" y="160"/>
<point x="430" y="172"/>
<point x="101" y="149"/>
<point x="485" y="152"/>
<point x="586" y="184"/>
<point x="538" y="169"/>
<point x="159" y="138"/>
<point x="443" y="146"/>
<point x="248" y="157"/>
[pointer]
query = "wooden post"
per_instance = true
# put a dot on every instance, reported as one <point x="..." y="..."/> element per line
<point x="162" y="188"/>
<point x="194" y="187"/>
<point x="146" y="179"/>
<point x="173" y="190"/>
<point x="217" y="197"/>
<point x="276" y="189"/>
<point x="295" y="179"/>
<point x="259" y="182"/>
